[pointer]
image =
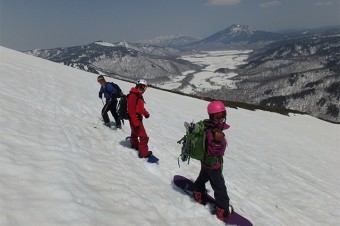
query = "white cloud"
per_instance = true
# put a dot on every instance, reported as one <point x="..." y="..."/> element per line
<point x="223" y="2"/>
<point x="270" y="4"/>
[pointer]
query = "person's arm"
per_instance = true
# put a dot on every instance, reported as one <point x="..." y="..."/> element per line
<point x="216" y="143"/>
<point x="146" y="113"/>
<point x="100" y="94"/>
<point x="132" y="103"/>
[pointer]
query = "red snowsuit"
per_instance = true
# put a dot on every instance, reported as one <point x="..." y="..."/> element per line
<point x="139" y="139"/>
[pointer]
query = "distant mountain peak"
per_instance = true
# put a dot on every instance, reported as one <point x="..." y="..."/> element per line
<point x="110" y="44"/>
<point x="237" y="29"/>
<point x="124" y="44"/>
<point x="102" y="43"/>
<point x="172" y="40"/>
<point x="237" y="33"/>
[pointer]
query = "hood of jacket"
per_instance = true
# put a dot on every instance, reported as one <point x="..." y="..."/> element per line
<point x="220" y="125"/>
<point x="136" y="91"/>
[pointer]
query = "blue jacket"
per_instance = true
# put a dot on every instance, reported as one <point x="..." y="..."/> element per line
<point x="107" y="89"/>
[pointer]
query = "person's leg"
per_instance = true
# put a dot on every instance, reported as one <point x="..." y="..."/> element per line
<point x="134" y="136"/>
<point x="143" y="141"/>
<point x="104" y="113"/>
<point x="223" y="209"/>
<point x="220" y="190"/>
<point x="199" y="189"/>
<point x="113" y="109"/>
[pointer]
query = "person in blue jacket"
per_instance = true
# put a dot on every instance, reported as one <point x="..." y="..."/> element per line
<point x="110" y="94"/>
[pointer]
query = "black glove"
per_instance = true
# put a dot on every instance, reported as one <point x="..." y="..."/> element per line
<point x="100" y="95"/>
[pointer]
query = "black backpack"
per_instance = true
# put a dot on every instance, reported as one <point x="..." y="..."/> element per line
<point x="122" y="108"/>
<point x="119" y="93"/>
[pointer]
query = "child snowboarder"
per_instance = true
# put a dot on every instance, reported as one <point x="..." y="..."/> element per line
<point x="139" y="139"/>
<point x="110" y="94"/>
<point x="215" y="145"/>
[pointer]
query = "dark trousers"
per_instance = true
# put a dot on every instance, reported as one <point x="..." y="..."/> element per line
<point x="110" y="106"/>
<point x="217" y="183"/>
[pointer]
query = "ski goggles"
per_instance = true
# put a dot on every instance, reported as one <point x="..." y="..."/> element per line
<point x="142" y="87"/>
<point x="220" y="116"/>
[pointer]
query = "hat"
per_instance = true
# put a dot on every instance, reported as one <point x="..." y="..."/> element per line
<point x="100" y="77"/>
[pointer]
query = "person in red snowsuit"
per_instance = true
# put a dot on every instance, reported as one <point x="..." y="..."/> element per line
<point x="139" y="139"/>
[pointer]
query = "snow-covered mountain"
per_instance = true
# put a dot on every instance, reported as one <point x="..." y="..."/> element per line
<point x="236" y="37"/>
<point x="173" y="41"/>
<point x="57" y="169"/>
<point x="123" y="59"/>
<point x="294" y="33"/>
<point x="241" y="33"/>
<point x="299" y="73"/>
<point x="233" y="37"/>
<point x="268" y="76"/>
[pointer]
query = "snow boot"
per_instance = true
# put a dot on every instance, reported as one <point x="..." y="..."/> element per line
<point x="200" y="197"/>
<point x="107" y="124"/>
<point x="223" y="214"/>
<point x="134" y="147"/>
<point x="147" y="156"/>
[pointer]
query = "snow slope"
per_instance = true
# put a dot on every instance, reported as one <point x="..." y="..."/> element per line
<point x="57" y="169"/>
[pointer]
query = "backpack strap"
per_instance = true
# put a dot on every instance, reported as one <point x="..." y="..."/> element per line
<point x="212" y="158"/>
<point x="116" y="94"/>
<point x="138" y="97"/>
<point x="105" y="89"/>
<point x="133" y="94"/>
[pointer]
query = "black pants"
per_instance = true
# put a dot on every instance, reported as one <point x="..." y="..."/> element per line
<point x="217" y="183"/>
<point x="112" y="107"/>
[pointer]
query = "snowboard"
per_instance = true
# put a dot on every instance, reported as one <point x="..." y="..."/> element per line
<point x="150" y="159"/>
<point x="187" y="186"/>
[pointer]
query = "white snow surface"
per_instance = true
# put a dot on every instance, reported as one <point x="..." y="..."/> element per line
<point x="208" y="79"/>
<point x="57" y="169"/>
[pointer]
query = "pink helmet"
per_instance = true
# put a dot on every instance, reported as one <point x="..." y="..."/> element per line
<point x="216" y="107"/>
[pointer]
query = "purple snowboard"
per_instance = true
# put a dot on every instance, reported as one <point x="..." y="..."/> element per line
<point x="188" y="187"/>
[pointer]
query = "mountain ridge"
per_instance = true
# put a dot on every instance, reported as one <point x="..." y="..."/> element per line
<point x="299" y="56"/>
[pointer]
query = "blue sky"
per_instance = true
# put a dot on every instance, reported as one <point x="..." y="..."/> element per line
<point x="31" y="24"/>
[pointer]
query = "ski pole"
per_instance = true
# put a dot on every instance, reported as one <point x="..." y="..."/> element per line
<point x="97" y="123"/>
<point x="101" y="115"/>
